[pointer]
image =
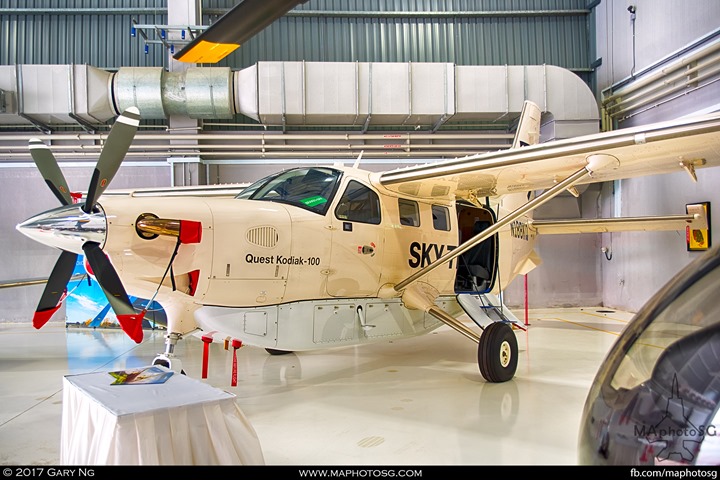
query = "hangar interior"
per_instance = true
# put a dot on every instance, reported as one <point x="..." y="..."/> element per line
<point x="395" y="84"/>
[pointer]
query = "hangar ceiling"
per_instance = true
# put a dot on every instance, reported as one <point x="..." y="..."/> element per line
<point x="328" y="79"/>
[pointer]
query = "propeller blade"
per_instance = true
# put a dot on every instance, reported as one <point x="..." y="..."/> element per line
<point x="49" y="169"/>
<point x="108" y="278"/>
<point x="113" y="152"/>
<point x="109" y="281"/>
<point x="54" y="292"/>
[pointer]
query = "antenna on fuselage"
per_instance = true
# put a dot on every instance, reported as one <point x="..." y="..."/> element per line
<point x="357" y="160"/>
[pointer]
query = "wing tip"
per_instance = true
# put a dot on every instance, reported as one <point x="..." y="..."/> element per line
<point x="206" y="52"/>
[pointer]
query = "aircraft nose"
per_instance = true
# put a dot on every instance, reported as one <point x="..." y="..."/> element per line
<point x="67" y="228"/>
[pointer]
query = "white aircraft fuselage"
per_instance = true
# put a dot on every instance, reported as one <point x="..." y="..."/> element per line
<point x="284" y="276"/>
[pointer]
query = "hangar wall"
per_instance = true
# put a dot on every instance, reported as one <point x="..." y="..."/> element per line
<point x="643" y="262"/>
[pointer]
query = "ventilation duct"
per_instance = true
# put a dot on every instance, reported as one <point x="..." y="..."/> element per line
<point x="424" y="95"/>
<point x="46" y="95"/>
<point x="200" y="93"/>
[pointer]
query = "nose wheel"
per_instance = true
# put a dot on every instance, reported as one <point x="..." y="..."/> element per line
<point x="168" y="358"/>
<point x="172" y="363"/>
<point x="498" y="353"/>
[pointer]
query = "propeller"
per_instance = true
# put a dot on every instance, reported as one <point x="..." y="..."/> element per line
<point x="113" y="152"/>
<point x="50" y="170"/>
<point x="112" y="286"/>
<point x="72" y="225"/>
<point x="54" y="292"/>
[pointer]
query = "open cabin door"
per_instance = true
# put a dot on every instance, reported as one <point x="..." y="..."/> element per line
<point x="476" y="268"/>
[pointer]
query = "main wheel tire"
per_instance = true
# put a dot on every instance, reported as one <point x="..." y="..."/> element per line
<point x="498" y="353"/>
<point x="272" y="351"/>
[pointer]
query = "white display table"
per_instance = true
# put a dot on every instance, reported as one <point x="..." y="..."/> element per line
<point x="180" y="422"/>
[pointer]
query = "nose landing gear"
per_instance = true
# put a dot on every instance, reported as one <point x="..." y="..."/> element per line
<point x="168" y="358"/>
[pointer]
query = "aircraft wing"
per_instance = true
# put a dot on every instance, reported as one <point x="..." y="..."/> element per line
<point x="234" y="28"/>
<point x="683" y="144"/>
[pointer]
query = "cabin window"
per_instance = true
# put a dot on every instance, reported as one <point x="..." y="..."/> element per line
<point x="441" y="218"/>
<point x="409" y="212"/>
<point x="358" y="204"/>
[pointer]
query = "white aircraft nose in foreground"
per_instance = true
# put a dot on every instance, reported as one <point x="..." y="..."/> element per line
<point x="317" y="257"/>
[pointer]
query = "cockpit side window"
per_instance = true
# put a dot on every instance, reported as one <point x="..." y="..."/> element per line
<point x="358" y="204"/>
<point x="309" y="188"/>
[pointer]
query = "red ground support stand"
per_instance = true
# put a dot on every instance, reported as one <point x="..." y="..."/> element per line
<point x="235" y="344"/>
<point x="207" y="340"/>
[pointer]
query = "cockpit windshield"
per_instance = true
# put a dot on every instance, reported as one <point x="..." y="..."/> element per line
<point x="311" y="188"/>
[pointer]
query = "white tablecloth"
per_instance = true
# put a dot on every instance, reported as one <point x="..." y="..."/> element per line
<point x="180" y="422"/>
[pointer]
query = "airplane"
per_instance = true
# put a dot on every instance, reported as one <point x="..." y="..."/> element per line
<point x="320" y="257"/>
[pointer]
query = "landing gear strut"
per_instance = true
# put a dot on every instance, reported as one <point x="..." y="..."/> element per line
<point x="497" y="346"/>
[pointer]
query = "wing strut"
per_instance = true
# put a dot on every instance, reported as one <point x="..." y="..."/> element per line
<point x="695" y="219"/>
<point x="594" y="162"/>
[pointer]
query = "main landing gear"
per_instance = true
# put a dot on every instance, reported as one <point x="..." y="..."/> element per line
<point x="498" y="352"/>
<point x="497" y="346"/>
